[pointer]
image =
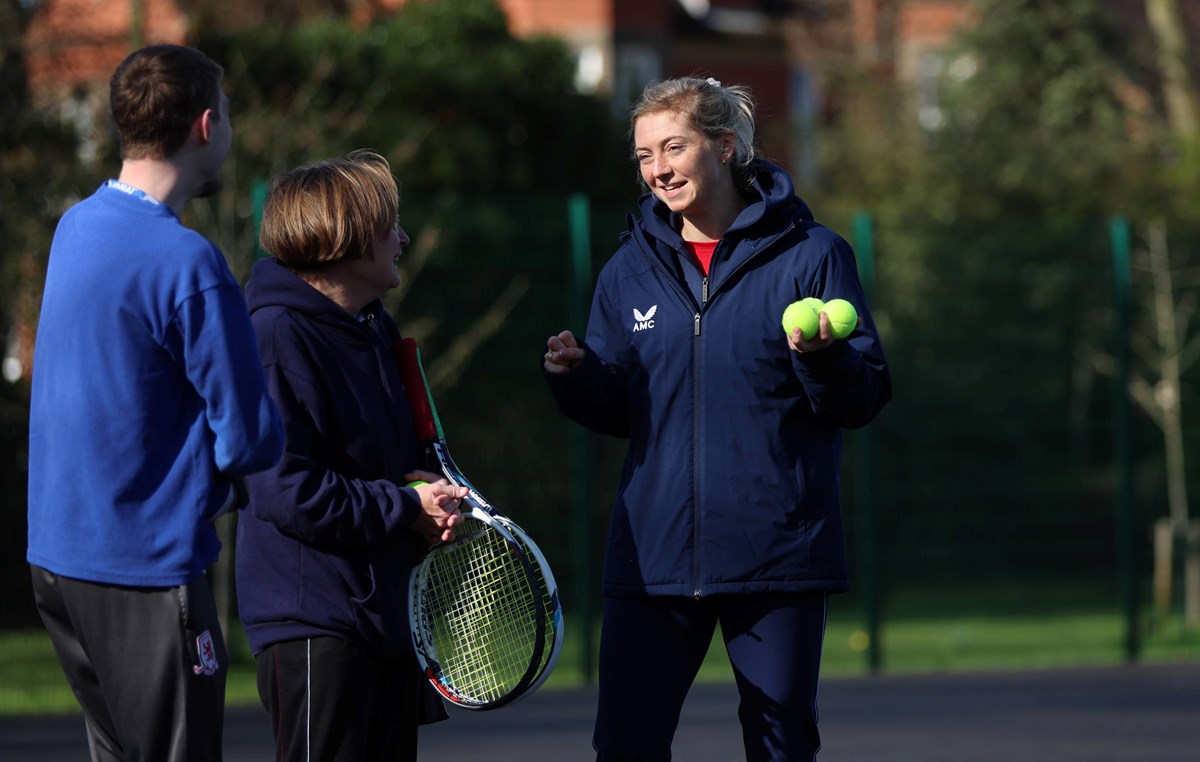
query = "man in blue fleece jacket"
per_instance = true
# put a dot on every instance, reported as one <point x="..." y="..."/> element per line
<point x="148" y="405"/>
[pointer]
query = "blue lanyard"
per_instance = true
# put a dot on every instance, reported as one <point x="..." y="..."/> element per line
<point x="132" y="191"/>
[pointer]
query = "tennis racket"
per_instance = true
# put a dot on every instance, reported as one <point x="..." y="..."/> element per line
<point x="483" y="608"/>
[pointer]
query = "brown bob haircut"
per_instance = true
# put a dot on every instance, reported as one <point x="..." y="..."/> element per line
<point x="156" y="93"/>
<point x="329" y="211"/>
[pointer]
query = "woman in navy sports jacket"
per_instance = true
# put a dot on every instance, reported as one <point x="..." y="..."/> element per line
<point x="727" y="509"/>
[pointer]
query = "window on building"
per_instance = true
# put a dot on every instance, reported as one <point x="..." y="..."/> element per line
<point x="635" y="66"/>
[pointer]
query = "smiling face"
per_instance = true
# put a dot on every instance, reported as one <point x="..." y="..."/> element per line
<point x="378" y="273"/>
<point x="682" y="167"/>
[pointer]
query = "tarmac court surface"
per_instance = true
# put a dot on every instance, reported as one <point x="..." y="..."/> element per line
<point x="1147" y="713"/>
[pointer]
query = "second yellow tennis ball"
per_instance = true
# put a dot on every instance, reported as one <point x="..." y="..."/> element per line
<point x="800" y="315"/>
<point x="816" y="304"/>
<point x="843" y="318"/>
<point x="417" y="483"/>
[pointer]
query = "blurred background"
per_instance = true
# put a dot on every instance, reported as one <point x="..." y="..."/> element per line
<point x="1020" y="181"/>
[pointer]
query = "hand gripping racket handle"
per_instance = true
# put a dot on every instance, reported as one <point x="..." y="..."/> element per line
<point x="408" y="358"/>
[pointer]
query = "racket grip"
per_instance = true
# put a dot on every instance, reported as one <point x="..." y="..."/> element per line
<point x="408" y="358"/>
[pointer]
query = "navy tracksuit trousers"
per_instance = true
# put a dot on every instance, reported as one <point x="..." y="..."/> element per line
<point x="147" y="664"/>
<point x="652" y="647"/>
<point x="333" y="700"/>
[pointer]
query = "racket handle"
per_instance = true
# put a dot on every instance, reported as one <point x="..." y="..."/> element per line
<point x="408" y="358"/>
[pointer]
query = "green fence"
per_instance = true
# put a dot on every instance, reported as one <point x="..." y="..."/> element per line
<point x="998" y="511"/>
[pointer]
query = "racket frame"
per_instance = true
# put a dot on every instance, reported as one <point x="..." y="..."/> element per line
<point x="554" y="618"/>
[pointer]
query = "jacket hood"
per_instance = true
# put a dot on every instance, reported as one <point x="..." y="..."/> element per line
<point x="771" y="192"/>
<point x="273" y="285"/>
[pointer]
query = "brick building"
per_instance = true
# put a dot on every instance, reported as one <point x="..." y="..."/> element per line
<point x="75" y="44"/>
<point x="776" y="47"/>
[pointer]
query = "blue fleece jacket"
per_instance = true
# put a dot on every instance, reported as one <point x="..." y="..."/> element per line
<point x="731" y="480"/>
<point x="325" y="547"/>
<point x="147" y="393"/>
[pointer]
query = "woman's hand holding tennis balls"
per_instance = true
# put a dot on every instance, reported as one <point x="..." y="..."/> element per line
<point x="439" y="506"/>
<point x="563" y="353"/>
<point x="812" y="325"/>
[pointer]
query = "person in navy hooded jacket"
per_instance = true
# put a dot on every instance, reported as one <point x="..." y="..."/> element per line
<point x="727" y="509"/>
<point x="325" y="549"/>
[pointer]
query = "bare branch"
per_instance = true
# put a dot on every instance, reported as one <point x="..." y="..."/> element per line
<point x="1143" y="394"/>
<point x="447" y="370"/>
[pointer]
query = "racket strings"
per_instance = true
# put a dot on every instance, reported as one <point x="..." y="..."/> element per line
<point x="480" y="613"/>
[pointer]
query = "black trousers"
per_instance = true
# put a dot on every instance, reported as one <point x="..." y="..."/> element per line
<point x="148" y="665"/>
<point x="774" y="644"/>
<point x="332" y="699"/>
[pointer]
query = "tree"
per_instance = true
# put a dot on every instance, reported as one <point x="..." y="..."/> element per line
<point x="485" y="132"/>
<point x="39" y="174"/>
<point x="1169" y="349"/>
<point x="994" y="262"/>
<point x="465" y="113"/>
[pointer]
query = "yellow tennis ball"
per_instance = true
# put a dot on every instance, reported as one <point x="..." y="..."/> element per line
<point x="417" y="483"/>
<point x="859" y="641"/>
<point x="843" y="318"/>
<point x="800" y="315"/>
<point x="816" y="304"/>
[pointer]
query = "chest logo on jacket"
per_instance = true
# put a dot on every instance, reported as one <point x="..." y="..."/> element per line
<point x="642" y="322"/>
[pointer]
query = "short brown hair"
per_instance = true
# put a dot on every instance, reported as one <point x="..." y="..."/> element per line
<point x="156" y="93"/>
<point x="329" y="210"/>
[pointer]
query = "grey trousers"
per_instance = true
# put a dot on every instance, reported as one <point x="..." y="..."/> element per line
<point x="148" y="665"/>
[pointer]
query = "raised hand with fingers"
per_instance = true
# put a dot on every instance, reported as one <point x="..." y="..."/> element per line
<point x="563" y="353"/>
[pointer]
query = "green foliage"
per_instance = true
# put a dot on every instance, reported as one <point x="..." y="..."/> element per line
<point x="440" y="88"/>
<point x="488" y="137"/>
<point x="39" y="175"/>
<point x="37" y="152"/>
<point x="1001" y="207"/>
<point x="1033" y="114"/>
<point x="993" y="267"/>
<point x="994" y="275"/>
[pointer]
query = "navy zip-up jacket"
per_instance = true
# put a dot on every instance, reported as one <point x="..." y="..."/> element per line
<point x="325" y="548"/>
<point x="731" y="480"/>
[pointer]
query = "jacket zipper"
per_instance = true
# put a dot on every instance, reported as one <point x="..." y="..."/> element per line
<point x="696" y="397"/>
<point x="381" y="360"/>
<point x="764" y="246"/>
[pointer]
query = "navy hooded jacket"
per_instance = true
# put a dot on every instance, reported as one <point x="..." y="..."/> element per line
<point x="731" y="479"/>
<point x="325" y="548"/>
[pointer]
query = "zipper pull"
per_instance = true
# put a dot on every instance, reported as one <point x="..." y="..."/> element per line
<point x="704" y="291"/>
<point x="697" y="324"/>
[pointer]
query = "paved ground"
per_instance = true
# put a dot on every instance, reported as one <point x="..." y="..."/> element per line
<point x="1119" y="714"/>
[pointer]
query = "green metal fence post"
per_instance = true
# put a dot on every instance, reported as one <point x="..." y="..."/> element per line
<point x="864" y="505"/>
<point x="1119" y="239"/>
<point x="258" y="199"/>
<point x="580" y="442"/>
<point x="137" y="31"/>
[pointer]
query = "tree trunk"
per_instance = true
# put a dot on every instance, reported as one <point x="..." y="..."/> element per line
<point x="1168" y="390"/>
<point x="1167" y="27"/>
<point x="1167" y="395"/>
